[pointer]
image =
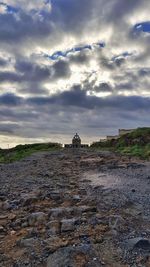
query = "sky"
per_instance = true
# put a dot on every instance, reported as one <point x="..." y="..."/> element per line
<point x="70" y="66"/>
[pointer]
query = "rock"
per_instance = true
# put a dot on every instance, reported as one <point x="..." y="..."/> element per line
<point x="133" y="190"/>
<point x="2" y="230"/>
<point x="37" y="218"/>
<point x="29" y="200"/>
<point x="76" y="198"/>
<point x="30" y="242"/>
<point x="116" y="222"/>
<point x="12" y="216"/>
<point x="60" y="212"/>
<point x="4" y="205"/>
<point x="82" y="255"/>
<point x="14" y="204"/>
<point x="24" y="224"/>
<point x="53" y="243"/>
<point x="134" y="210"/>
<point x="55" y="195"/>
<point x="54" y="227"/>
<point x="3" y="217"/>
<point x="12" y="232"/>
<point x="68" y="225"/>
<point x="138" y="242"/>
<point x="87" y="208"/>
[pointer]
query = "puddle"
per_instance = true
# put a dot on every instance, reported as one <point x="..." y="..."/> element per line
<point x="103" y="179"/>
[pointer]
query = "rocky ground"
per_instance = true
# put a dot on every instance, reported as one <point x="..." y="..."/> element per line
<point x="75" y="209"/>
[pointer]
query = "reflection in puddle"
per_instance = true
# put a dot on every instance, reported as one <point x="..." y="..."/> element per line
<point x="103" y="179"/>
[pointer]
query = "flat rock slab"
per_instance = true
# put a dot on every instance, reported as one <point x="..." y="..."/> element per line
<point x="74" y="256"/>
<point x="139" y="243"/>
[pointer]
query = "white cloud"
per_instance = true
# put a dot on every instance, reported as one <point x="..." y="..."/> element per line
<point x="30" y="5"/>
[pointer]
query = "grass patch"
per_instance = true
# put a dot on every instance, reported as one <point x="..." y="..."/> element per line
<point x="21" y="151"/>
<point x="136" y="144"/>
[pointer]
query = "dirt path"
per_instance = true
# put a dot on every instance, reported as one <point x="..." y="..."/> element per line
<point x="75" y="208"/>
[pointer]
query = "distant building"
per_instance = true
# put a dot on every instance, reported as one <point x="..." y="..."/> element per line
<point x="111" y="137"/>
<point x="120" y="133"/>
<point x="76" y="143"/>
<point x="103" y="140"/>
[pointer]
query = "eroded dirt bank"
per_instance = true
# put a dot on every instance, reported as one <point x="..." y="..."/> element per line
<point x="75" y="209"/>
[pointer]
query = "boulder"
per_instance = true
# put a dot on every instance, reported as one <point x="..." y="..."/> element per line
<point x="82" y="255"/>
<point x="138" y="242"/>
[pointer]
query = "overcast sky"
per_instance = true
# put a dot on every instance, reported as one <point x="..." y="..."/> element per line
<point x="70" y="66"/>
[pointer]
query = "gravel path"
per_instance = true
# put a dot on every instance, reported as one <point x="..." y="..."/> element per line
<point x="75" y="208"/>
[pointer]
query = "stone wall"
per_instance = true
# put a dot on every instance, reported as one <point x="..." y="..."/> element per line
<point x="112" y="137"/>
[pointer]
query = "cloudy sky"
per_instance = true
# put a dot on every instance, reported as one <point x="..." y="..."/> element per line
<point x="71" y="66"/>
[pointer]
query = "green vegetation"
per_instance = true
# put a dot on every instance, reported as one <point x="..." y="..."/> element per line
<point x="136" y="143"/>
<point x="21" y="151"/>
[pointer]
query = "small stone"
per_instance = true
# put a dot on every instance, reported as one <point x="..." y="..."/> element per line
<point x="3" y="217"/>
<point x="68" y="225"/>
<point x="30" y="242"/>
<point x="2" y="230"/>
<point x="37" y="218"/>
<point x="5" y="205"/>
<point x="12" y="232"/>
<point x="76" y="198"/>
<point x="55" y="195"/>
<point x="30" y="200"/>
<point x="133" y="190"/>
<point x="60" y="212"/>
<point x="54" y="227"/>
<point x="25" y="224"/>
<point x="12" y="216"/>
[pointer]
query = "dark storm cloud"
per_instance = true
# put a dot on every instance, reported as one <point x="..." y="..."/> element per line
<point x="17" y="114"/>
<point x="120" y="9"/>
<point x="38" y="74"/>
<point x="128" y="86"/>
<point x="106" y="63"/>
<point x="119" y="61"/>
<point x="72" y="15"/>
<point x="10" y="100"/>
<point x="61" y="69"/>
<point x="78" y="98"/>
<point x="144" y="72"/>
<point x="8" y="76"/>
<point x="32" y="73"/>
<point x="79" y="58"/>
<point x="24" y="66"/>
<point x="3" y="62"/>
<point x="17" y="28"/>
<point x="103" y="87"/>
<point x="9" y="128"/>
<point x="115" y="62"/>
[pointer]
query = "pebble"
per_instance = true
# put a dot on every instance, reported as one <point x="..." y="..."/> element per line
<point x="68" y="225"/>
<point x="37" y="218"/>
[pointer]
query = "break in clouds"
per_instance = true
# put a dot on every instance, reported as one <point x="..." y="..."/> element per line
<point x="72" y="65"/>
